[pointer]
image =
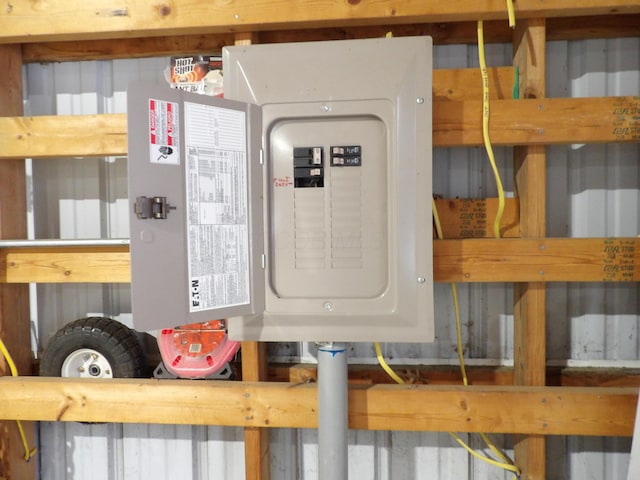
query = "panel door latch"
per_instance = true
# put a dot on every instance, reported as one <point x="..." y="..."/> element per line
<point x="156" y="207"/>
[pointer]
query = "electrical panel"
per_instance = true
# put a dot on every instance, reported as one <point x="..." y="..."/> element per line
<point x="298" y="207"/>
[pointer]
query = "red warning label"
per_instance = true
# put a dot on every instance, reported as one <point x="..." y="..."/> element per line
<point x="164" y="141"/>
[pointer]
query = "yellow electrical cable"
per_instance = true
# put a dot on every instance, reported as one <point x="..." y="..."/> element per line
<point x="28" y="454"/>
<point x="505" y="466"/>
<point x="385" y="366"/>
<point x="506" y="463"/>
<point x="454" y="294"/>
<point x="456" y="307"/>
<point x="12" y="366"/>
<point x="512" y="15"/>
<point x="485" y="129"/>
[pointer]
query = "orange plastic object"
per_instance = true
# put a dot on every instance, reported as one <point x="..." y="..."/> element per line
<point x="197" y="350"/>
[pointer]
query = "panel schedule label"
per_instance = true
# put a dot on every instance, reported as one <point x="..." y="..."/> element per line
<point x="217" y="209"/>
<point x="164" y="139"/>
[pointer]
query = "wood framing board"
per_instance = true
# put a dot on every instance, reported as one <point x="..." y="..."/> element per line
<point x="256" y="439"/>
<point x="538" y="121"/>
<point x="537" y="260"/>
<point x="91" y="135"/>
<point x="456" y="123"/>
<point x="465" y="260"/>
<point x="531" y="410"/>
<point x="15" y="329"/>
<point x="530" y="168"/>
<point x="474" y="217"/>
<point x="50" y="136"/>
<point x="25" y="22"/>
<point x="466" y="83"/>
<point x="65" y="265"/>
<point x="497" y="31"/>
<point x="425" y="374"/>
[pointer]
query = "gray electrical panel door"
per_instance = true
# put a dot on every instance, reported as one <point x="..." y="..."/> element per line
<point x="195" y="186"/>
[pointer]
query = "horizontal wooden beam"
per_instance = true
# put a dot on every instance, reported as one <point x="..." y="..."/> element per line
<point x="467" y="260"/>
<point x="96" y="135"/>
<point x="49" y="136"/>
<point x="473" y="218"/>
<point x="425" y="374"/>
<point x="460" y="84"/>
<point x="529" y="410"/>
<point x="538" y="121"/>
<point x="25" y="22"/>
<point x="537" y="260"/>
<point x="496" y="31"/>
<point x="65" y="265"/>
<point x="456" y="123"/>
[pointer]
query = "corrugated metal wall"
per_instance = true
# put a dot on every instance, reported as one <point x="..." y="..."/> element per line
<point x="594" y="190"/>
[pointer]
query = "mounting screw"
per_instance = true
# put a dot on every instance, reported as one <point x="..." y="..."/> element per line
<point x="421" y="279"/>
<point x="420" y="100"/>
<point x="328" y="306"/>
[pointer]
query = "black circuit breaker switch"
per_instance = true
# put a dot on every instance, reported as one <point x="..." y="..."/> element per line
<point x="308" y="156"/>
<point x="308" y="171"/>
<point x="346" y="156"/>
<point x="308" y="177"/>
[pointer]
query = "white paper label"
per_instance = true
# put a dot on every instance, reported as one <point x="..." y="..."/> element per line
<point x="217" y="216"/>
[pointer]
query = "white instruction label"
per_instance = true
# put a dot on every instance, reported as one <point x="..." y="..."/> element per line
<point x="217" y="217"/>
<point x="164" y="142"/>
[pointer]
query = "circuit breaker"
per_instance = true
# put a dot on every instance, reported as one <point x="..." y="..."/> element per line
<point x="298" y="207"/>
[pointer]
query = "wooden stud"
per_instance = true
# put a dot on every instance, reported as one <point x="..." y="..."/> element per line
<point x="530" y="298"/>
<point x="14" y="299"/>
<point x="256" y="439"/>
<point x="530" y="410"/>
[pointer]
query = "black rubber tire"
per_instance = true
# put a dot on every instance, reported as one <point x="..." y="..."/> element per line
<point x="115" y="341"/>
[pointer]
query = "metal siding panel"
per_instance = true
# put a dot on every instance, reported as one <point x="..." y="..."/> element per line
<point x="602" y="200"/>
<point x="284" y="447"/>
<point x="223" y="450"/>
